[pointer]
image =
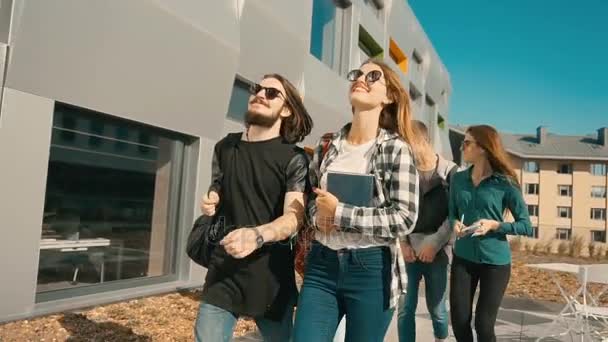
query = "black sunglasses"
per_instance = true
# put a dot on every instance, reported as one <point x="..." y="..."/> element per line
<point x="370" y="77"/>
<point x="269" y="92"/>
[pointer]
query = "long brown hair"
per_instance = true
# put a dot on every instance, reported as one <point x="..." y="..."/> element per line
<point x="488" y="138"/>
<point x="424" y="154"/>
<point x="298" y="125"/>
<point x="395" y="117"/>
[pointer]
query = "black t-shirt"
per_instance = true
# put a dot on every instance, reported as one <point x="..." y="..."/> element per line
<point x="255" y="176"/>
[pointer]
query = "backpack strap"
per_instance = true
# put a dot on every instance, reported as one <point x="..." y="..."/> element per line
<point x="325" y="143"/>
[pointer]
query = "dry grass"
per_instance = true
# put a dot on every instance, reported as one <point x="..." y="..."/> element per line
<point x="577" y="246"/>
<point x="563" y="248"/>
<point x="161" y="318"/>
<point x="516" y="243"/>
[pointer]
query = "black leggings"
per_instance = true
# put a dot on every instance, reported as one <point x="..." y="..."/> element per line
<point x="493" y="281"/>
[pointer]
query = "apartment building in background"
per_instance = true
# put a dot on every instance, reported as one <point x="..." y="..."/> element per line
<point x="564" y="181"/>
<point x="110" y="111"/>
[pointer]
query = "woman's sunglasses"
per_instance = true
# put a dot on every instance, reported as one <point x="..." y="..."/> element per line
<point x="269" y="92"/>
<point x="370" y="77"/>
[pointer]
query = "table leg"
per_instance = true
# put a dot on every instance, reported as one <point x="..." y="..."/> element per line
<point x="103" y="268"/>
<point x="119" y="261"/>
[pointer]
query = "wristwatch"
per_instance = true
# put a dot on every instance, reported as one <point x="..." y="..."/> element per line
<point x="259" y="239"/>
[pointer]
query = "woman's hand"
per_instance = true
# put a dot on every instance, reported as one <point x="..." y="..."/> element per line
<point x="326" y="210"/>
<point x="458" y="227"/>
<point x="486" y="226"/>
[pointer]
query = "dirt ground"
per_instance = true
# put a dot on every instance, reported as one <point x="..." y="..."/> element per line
<point x="171" y="317"/>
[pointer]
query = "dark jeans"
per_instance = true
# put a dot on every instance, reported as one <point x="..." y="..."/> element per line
<point x="435" y="282"/>
<point x="493" y="281"/>
<point x="355" y="283"/>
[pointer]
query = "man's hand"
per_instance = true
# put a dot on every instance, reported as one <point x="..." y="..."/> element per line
<point x="427" y="254"/>
<point x="240" y="242"/>
<point x="326" y="210"/>
<point x="209" y="203"/>
<point x="408" y="252"/>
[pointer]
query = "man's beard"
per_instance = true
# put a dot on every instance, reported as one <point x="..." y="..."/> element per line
<point x="257" y="119"/>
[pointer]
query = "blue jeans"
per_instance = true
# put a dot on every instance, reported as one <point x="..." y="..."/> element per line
<point x="355" y="283"/>
<point x="435" y="282"/>
<point x="215" y="324"/>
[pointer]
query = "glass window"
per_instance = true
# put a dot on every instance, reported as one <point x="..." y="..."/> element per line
<point x="535" y="232"/>
<point x="323" y="31"/>
<point x="110" y="203"/>
<point x="440" y="121"/>
<point x="417" y="58"/>
<point x="375" y="7"/>
<point x="562" y="234"/>
<point x="598" y="169"/>
<point x="532" y="189"/>
<point x="533" y="210"/>
<point x="598" y="236"/>
<point x="565" y="169"/>
<point x="564" y="212"/>
<point x="531" y="166"/>
<point x="564" y="190"/>
<point x="239" y="100"/>
<point x="598" y="214"/>
<point x="415" y="94"/>
<point x="368" y="47"/>
<point x="598" y="191"/>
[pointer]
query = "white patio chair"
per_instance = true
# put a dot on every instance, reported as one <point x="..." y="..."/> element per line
<point x="590" y="308"/>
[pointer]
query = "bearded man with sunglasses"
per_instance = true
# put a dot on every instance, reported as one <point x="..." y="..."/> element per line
<point x="259" y="178"/>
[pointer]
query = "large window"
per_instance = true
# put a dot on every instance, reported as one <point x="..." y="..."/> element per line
<point x="532" y="189"/>
<point x="565" y="169"/>
<point x="598" y="236"/>
<point x="563" y="233"/>
<point x="598" y="169"/>
<point x="239" y="99"/>
<point x="598" y="214"/>
<point x="531" y="166"/>
<point x="564" y="212"/>
<point x="564" y="190"/>
<point x="110" y="210"/>
<point x="598" y="191"/>
<point x="533" y="210"/>
<point x="323" y="31"/>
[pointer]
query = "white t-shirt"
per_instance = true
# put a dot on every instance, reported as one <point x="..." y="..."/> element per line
<point x="351" y="159"/>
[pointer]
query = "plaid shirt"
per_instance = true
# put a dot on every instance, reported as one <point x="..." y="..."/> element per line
<point x="396" y="201"/>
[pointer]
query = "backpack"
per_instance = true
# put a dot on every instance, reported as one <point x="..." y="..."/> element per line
<point x="207" y="231"/>
<point x="433" y="206"/>
<point x="306" y="233"/>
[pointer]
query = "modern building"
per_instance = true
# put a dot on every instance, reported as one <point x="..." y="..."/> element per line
<point x="564" y="180"/>
<point x="110" y="111"/>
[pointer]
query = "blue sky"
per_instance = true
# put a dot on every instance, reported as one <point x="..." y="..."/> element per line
<point x="519" y="64"/>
